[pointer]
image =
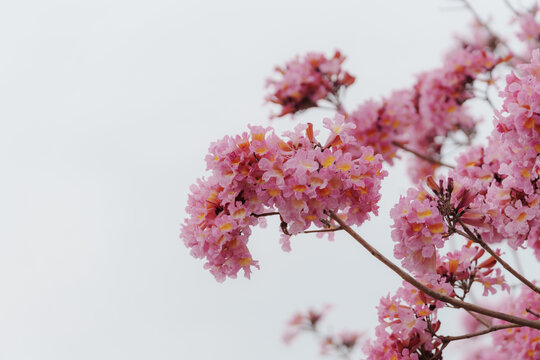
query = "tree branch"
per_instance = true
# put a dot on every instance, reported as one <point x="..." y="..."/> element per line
<point x="322" y="230"/>
<point x="471" y="236"/>
<point x="434" y="294"/>
<point x="421" y="156"/>
<point x="478" y="333"/>
<point x="532" y="312"/>
<point x="437" y="355"/>
<point x="265" y="214"/>
<point x="479" y="319"/>
<point x="512" y="8"/>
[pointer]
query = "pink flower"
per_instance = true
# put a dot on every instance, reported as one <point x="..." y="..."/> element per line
<point x="417" y="231"/>
<point x="529" y="31"/>
<point x="307" y="81"/>
<point x="258" y="173"/>
<point x="519" y="343"/>
<point x="503" y="176"/>
<point x="403" y="323"/>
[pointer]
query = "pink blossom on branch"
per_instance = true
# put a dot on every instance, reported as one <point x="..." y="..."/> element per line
<point x="490" y="196"/>
<point x="520" y="343"/>
<point x="304" y="82"/>
<point x="418" y="231"/>
<point x="529" y="29"/>
<point x="424" y="117"/>
<point x="407" y="324"/>
<point x="259" y="173"/>
<point x="503" y="176"/>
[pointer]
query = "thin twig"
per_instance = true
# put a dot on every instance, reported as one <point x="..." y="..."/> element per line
<point x="478" y="333"/>
<point x="439" y="352"/>
<point x="512" y="8"/>
<point x="471" y="236"/>
<point x="434" y="294"/>
<point x="421" y="156"/>
<point x="326" y="107"/>
<point x="265" y="214"/>
<point x="323" y="230"/>
<point x="479" y="319"/>
<point x="532" y="312"/>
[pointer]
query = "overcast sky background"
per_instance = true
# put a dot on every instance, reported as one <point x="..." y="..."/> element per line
<point x="107" y="109"/>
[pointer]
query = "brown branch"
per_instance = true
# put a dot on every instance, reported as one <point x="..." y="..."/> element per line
<point x="421" y="156"/>
<point x="471" y="236"/>
<point x="434" y="294"/>
<point x="532" y="312"/>
<point x="437" y="355"/>
<point x="265" y="214"/>
<point x="322" y="230"/>
<point x="479" y="319"/>
<point x="512" y="8"/>
<point x="478" y="333"/>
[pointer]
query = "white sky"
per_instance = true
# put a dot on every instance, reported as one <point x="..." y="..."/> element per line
<point x="107" y="109"/>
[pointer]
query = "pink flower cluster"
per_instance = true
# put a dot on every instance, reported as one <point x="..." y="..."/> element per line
<point x="407" y="322"/>
<point x="259" y="173"/>
<point x="304" y="82"/>
<point x="463" y="267"/>
<point x="520" y="343"/>
<point x="423" y="223"/>
<point x="529" y="29"/>
<point x="441" y="95"/>
<point x="504" y="175"/>
<point x="408" y="319"/>
<point x="494" y="191"/>
<point x="418" y="230"/>
<point x="422" y="118"/>
<point x="378" y="124"/>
